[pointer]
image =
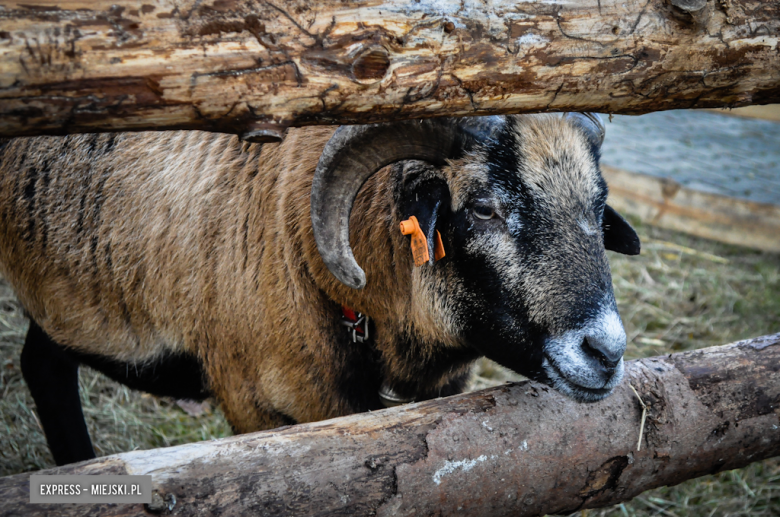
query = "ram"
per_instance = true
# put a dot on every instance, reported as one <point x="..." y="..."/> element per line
<point x="190" y="264"/>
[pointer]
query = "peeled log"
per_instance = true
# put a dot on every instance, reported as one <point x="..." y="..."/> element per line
<point x="520" y="449"/>
<point x="255" y="68"/>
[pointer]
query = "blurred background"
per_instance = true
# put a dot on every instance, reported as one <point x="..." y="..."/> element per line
<point x="702" y="188"/>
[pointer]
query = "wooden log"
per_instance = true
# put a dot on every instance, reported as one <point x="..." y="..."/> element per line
<point x="770" y="112"/>
<point x="664" y="202"/>
<point x="254" y="68"/>
<point x="519" y="449"/>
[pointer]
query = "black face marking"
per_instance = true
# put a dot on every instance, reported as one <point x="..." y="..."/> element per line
<point x="503" y="163"/>
<point x="497" y="325"/>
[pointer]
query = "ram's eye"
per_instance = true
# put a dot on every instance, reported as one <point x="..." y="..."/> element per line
<point x="483" y="212"/>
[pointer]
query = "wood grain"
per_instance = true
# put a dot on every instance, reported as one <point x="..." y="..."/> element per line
<point x="257" y="67"/>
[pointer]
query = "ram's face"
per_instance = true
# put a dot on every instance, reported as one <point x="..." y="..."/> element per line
<point x="520" y="204"/>
<point x="526" y="252"/>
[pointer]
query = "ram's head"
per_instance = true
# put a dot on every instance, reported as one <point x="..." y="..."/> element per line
<point x="520" y="205"/>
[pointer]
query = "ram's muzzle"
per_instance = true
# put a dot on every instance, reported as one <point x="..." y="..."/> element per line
<point x="586" y="364"/>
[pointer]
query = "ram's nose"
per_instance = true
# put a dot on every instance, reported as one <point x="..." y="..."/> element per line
<point x="604" y="351"/>
<point x="606" y="342"/>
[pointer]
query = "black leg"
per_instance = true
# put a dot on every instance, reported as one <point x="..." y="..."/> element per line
<point x="52" y="377"/>
<point x="168" y="375"/>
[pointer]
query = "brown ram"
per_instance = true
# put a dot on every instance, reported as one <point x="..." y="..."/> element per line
<point x="187" y="264"/>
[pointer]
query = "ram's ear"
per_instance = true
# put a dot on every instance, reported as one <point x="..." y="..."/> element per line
<point x="427" y="198"/>
<point x="618" y="234"/>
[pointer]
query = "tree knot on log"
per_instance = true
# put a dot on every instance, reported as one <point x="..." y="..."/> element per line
<point x="605" y="477"/>
<point x="161" y="503"/>
<point x="719" y="431"/>
<point x="370" y="64"/>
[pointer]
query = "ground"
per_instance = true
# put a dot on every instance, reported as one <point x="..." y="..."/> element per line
<point x="681" y="293"/>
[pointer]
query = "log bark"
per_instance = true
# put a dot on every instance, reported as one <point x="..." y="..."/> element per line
<point x="255" y="67"/>
<point x="519" y="449"/>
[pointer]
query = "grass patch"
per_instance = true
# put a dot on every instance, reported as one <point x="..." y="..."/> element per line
<point x="682" y="293"/>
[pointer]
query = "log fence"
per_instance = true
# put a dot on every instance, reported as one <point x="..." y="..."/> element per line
<point x="520" y="449"/>
<point x="256" y="67"/>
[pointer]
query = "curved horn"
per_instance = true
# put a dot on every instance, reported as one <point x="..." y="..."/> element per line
<point x="350" y="157"/>
<point x="591" y="123"/>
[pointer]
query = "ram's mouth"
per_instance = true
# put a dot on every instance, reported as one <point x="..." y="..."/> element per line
<point x="560" y="382"/>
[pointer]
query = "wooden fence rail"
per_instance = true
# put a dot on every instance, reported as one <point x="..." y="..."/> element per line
<point x="255" y="67"/>
<point x="520" y="449"/>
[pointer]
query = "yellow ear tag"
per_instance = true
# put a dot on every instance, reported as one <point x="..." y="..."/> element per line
<point x="419" y="243"/>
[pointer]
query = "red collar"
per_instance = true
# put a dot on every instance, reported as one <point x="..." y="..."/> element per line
<point x="357" y="323"/>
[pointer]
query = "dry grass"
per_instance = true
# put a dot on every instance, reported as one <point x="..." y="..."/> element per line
<point x="681" y="293"/>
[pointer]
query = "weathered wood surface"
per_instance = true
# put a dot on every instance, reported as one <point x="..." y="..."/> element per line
<point x="521" y="449"/>
<point x="254" y="67"/>
<point x="664" y="202"/>
<point x="770" y="112"/>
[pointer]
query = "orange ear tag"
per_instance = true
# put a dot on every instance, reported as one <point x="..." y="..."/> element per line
<point x="419" y="244"/>
<point x="438" y="247"/>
